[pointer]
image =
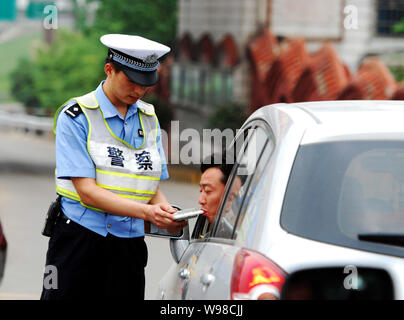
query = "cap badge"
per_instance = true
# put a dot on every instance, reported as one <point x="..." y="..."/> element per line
<point x="151" y="58"/>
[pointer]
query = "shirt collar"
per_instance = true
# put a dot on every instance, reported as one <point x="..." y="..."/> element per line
<point x="108" y="109"/>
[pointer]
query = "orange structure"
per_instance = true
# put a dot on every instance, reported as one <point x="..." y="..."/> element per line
<point x="373" y="81"/>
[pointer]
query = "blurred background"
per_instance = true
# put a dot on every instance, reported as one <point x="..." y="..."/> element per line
<point x="229" y="57"/>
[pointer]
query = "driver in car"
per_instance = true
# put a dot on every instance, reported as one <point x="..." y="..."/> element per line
<point x="212" y="185"/>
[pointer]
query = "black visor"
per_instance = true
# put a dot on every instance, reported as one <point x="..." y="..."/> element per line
<point x="143" y="78"/>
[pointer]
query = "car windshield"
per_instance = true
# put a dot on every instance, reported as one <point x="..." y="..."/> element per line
<point x="338" y="191"/>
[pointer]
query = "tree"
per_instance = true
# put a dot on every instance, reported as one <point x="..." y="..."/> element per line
<point x="152" y="19"/>
<point x="22" y="83"/>
<point x="74" y="63"/>
<point x="71" y="66"/>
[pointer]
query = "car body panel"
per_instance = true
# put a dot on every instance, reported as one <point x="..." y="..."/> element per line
<point x="201" y="258"/>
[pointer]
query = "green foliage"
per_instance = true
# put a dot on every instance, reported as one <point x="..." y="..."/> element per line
<point x="399" y="27"/>
<point x="22" y="83"/>
<point x="71" y="66"/>
<point x="74" y="63"/>
<point x="10" y="53"/>
<point x="153" y="19"/>
<point x="397" y="72"/>
<point x="228" y="116"/>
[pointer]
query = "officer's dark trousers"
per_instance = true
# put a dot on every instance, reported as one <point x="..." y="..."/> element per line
<point x="90" y="266"/>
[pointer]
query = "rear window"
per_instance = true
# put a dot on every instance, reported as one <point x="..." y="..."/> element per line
<point x="339" y="190"/>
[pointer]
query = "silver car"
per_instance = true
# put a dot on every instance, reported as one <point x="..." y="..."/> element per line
<point x="315" y="184"/>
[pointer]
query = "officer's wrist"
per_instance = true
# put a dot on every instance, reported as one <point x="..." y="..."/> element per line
<point x="147" y="212"/>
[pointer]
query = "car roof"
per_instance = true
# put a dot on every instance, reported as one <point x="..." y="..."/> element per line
<point x="329" y="112"/>
<point x="344" y="119"/>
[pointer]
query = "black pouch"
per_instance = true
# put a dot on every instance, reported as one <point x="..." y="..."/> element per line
<point x="52" y="216"/>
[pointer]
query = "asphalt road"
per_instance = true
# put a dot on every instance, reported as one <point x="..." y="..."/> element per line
<point x="26" y="189"/>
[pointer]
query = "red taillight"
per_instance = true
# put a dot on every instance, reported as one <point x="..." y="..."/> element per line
<point x="255" y="277"/>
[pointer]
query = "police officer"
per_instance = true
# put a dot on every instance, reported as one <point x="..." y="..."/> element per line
<point x="109" y="162"/>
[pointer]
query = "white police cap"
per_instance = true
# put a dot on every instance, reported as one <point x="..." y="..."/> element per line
<point x="137" y="56"/>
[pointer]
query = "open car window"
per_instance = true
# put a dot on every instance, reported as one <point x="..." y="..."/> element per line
<point x="239" y="183"/>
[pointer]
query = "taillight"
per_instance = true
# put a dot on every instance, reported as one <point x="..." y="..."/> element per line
<point x="255" y="277"/>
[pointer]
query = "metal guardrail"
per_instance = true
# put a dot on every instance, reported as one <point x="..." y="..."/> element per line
<point x="26" y="122"/>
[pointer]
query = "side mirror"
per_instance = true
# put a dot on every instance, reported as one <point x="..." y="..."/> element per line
<point x="152" y="231"/>
<point x="178" y="246"/>
<point x="338" y="283"/>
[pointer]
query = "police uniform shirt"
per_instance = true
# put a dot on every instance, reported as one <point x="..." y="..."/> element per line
<point x="73" y="160"/>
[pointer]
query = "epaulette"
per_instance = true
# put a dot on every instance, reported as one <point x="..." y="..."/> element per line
<point x="73" y="111"/>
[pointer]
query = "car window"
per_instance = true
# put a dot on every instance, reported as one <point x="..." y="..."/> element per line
<point x="340" y="191"/>
<point x="237" y="188"/>
<point x="248" y="217"/>
<point x="372" y="193"/>
<point x="203" y="229"/>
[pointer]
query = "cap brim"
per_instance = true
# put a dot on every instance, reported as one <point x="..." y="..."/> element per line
<point x="143" y="78"/>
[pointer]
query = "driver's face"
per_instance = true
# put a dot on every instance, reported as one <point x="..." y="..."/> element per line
<point x="211" y="191"/>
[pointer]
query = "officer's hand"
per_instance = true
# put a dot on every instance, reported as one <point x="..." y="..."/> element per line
<point x="161" y="215"/>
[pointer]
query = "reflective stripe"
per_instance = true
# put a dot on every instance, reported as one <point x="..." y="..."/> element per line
<point x="127" y="175"/>
<point x="134" y="197"/>
<point x="92" y="208"/>
<point x="57" y="113"/>
<point x="124" y="142"/>
<point x="128" y="183"/>
<point x="126" y="189"/>
<point x="68" y="194"/>
<point x="76" y="197"/>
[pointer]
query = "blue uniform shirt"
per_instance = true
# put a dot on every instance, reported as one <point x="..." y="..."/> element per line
<point x="73" y="160"/>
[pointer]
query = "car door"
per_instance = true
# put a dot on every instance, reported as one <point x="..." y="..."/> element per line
<point x="209" y="260"/>
<point x="199" y="261"/>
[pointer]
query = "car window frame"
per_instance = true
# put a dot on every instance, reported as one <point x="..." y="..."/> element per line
<point x="269" y="134"/>
<point x="243" y="208"/>
<point x="198" y="226"/>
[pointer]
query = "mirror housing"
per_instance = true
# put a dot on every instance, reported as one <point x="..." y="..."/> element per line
<point x="334" y="283"/>
<point x="179" y="245"/>
<point x="152" y="231"/>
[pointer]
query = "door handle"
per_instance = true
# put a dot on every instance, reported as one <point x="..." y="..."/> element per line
<point x="207" y="279"/>
<point x="184" y="273"/>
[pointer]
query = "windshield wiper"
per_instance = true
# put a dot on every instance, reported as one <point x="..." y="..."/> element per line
<point x="394" y="239"/>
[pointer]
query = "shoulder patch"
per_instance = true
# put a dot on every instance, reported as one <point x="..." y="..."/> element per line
<point x="73" y="111"/>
